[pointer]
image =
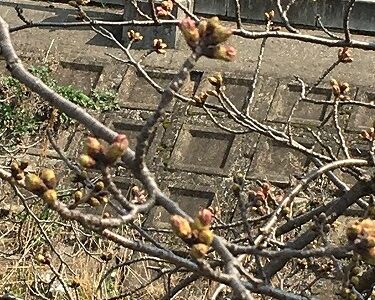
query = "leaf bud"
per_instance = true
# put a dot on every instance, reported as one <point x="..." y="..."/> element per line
<point x="24" y="164"/>
<point x="15" y="168"/>
<point x="236" y="189"/>
<point x="333" y="82"/>
<point x="354" y="280"/>
<point x="356" y="271"/>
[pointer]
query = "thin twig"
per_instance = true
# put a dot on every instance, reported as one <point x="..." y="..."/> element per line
<point x="346" y="19"/>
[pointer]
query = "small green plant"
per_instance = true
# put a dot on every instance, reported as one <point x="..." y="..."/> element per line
<point x="16" y="121"/>
<point x="99" y="100"/>
<point x="22" y="113"/>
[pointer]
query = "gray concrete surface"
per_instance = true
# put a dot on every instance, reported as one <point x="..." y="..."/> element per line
<point x="302" y="12"/>
<point x="282" y="59"/>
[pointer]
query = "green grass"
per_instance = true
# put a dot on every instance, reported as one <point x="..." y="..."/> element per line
<point x="23" y="113"/>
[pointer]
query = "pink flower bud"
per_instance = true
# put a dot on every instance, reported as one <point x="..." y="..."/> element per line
<point x="190" y="31"/>
<point x="187" y="24"/>
<point x="223" y="52"/>
<point x="181" y="226"/>
<point x="205" y="217"/>
<point x="117" y="148"/>
<point x="231" y="52"/>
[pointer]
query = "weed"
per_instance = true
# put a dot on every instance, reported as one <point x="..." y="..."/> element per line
<point x="23" y="113"/>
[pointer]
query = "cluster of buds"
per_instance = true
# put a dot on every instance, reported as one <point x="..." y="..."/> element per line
<point x="362" y="234"/>
<point x="159" y="46"/>
<point x="197" y="234"/>
<point x="200" y="100"/>
<point x="354" y="280"/>
<point x="258" y="198"/>
<point x="340" y="89"/>
<point x="269" y="18"/>
<point x="134" y="36"/>
<point x="344" y="55"/>
<point x="369" y="134"/>
<point x="18" y="169"/>
<point x="217" y="81"/>
<point x="320" y="224"/>
<point x="208" y="34"/>
<point x="97" y="154"/>
<point x="97" y="197"/>
<point x="164" y="9"/>
<point x="43" y="185"/>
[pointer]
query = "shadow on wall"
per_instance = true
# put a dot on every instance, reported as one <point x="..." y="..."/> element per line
<point x="67" y="14"/>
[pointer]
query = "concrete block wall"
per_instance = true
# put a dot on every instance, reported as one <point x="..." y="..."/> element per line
<point x="303" y="12"/>
<point x="111" y="2"/>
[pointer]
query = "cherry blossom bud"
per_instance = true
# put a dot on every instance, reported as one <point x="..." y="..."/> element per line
<point x="205" y="217"/>
<point x="220" y="34"/>
<point x="181" y="226"/>
<point x="161" y="12"/>
<point x="190" y="31"/>
<point x="223" y="52"/>
<point x="94" y="202"/>
<point x="117" y="148"/>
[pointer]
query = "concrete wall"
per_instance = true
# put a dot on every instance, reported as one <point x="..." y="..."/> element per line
<point x="303" y="12"/>
<point x="112" y="2"/>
